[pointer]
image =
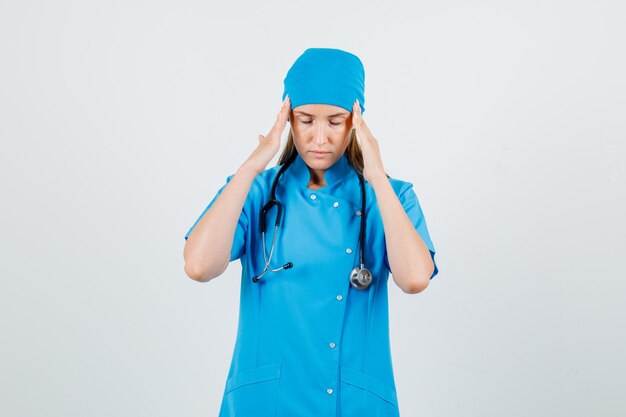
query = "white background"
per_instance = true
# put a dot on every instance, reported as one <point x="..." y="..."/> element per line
<point x="119" y="121"/>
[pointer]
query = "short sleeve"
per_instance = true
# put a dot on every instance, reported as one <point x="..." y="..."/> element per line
<point x="239" y="239"/>
<point x="412" y="207"/>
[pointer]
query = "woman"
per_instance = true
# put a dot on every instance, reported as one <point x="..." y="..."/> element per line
<point x="313" y="332"/>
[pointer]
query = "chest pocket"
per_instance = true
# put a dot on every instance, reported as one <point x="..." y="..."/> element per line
<point x="253" y="392"/>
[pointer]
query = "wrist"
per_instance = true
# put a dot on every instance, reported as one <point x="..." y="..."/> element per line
<point x="378" y="180"/>
<point x="248" y="171"/>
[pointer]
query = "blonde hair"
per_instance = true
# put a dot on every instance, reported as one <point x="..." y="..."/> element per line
<point x="353" y="151"/>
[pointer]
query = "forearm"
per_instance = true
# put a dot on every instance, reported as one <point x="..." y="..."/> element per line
<point x="208" y="248"/>
<point x="409" y="258"/>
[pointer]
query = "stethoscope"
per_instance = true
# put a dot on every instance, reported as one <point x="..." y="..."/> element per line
<point x="360" y="277"/>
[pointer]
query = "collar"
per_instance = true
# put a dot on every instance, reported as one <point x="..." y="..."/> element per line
<point x="332" y="176"/>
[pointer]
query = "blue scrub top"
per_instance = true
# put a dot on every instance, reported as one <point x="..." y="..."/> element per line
<point x="308" y="343"/>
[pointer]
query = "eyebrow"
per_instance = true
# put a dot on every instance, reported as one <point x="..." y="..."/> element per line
<point x="332" y="115"/>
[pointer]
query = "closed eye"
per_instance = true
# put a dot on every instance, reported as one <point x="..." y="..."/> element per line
<point x="334" y="124"/>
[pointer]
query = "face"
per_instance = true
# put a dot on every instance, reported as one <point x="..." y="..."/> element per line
<point x="320" y="127"/>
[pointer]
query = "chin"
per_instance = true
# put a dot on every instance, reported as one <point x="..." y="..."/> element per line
<point x="325" y="162"/>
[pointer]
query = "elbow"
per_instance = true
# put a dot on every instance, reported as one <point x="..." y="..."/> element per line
<point x="199" y="267"/>
<point x="202" y="273"/>
<point x="417" y="285"/>
<point x="196" y="273"/>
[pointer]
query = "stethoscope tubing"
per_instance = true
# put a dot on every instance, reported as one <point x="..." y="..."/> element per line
<point x="274" y="202"/>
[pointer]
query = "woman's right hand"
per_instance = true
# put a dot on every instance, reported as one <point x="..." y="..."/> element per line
<point x="269" y="144"/>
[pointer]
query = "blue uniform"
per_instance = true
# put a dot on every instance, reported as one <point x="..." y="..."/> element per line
<point x="308" y="343"/>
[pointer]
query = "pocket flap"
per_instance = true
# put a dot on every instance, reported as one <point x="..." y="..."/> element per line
<point x="368" y="382"/>
<point x="254" y="375"/>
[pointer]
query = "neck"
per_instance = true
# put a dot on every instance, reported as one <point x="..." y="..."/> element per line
<point x="326" y="178"/>
<point x="317" y="178"/>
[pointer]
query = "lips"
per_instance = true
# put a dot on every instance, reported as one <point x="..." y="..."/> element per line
<point x="319" y="154"/>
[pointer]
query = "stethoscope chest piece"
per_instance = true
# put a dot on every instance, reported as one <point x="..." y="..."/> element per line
<point x="360" y="278"/>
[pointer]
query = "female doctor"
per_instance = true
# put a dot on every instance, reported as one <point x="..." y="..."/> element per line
<point x="317" y="236"/>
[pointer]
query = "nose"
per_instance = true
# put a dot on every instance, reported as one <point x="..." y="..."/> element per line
<point x="320" y="135"/>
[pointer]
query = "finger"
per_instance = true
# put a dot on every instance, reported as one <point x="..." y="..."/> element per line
<point x="286" y="107"/>
<point x="361" y="126"/>
<point x="356" y="120"/>
<point x="281" y="117"/>
<point x="357" y="112"/>
<point x="284" y="112"/>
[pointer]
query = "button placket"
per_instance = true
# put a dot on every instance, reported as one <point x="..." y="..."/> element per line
<point x="346" y="210"/>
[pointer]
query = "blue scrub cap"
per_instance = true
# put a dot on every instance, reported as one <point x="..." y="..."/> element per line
<point x="326" y="76"/>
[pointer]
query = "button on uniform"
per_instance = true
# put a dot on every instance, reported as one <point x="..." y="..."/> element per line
<point x="348" y="250"/>
<point x="329" y="391"/>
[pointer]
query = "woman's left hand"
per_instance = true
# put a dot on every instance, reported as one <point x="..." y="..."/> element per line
<point x="372" y="162"/>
